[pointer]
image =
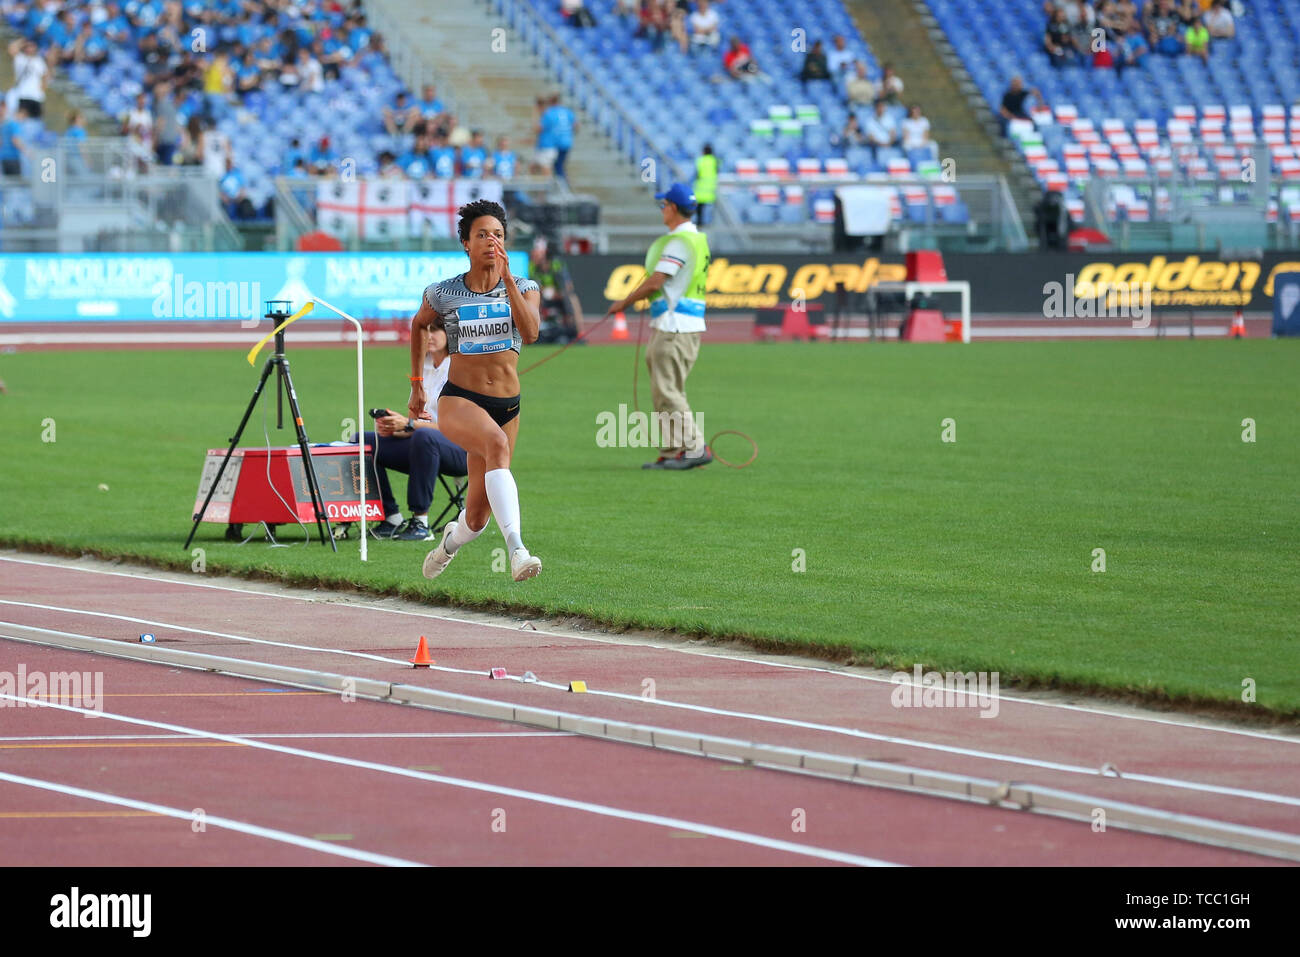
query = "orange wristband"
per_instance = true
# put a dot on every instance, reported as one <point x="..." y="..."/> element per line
<point x="416" y="378"/>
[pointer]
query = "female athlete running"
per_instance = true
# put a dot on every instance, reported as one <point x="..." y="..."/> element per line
<point x="487" y="314"/>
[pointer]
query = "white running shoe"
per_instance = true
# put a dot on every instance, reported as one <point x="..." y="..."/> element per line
<point x="523" y="565"/>
<point x="439" y="558"/>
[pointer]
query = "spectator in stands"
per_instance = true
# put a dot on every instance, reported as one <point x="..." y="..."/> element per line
<point x="882" y="132"/>
<point x="677" y="13"/>
<point x="860" y="90"/>
<point x="299" y="170"/>
<point x="1058" y="39"/>
<point x="1163" y="24"/>
<point x="839" y="59"/>
<point x="138" y="117"/>
<point x="12" y="146"/>
<point x="1013" y="102"/>
<point x="576" y="13"/>
<point x="891" y="84"/>
<point x="442" y="156"/>
<point x="247" y="76"/>
<point x="166" y="124"/>
<point x="330" y="53"/>
<point x="90" y="47"/>
<point x="706" y="27"/>
<point x="916" y="138"/>
<point x="234" y="194"/>
<point x="851" y="136"/>
<point x="62" y="40"/>
<point x="1197" y="39"/>
<point x="1134" y="46"/>
<point x="415" y="161"/>
<point x="739" y="63"/>
<point x="474" y="157"/>
<point x="192" y="142"/>
<point x="503" y="162"/>
<point x="430" y="106"/>
<point x="1219" y="21"/>
<point x="388" y="168"/>
<point x="310" y="72"/>
<point x="1106" y="52"/>
<point x="814" y="65"/>
<point x="706" y="183"/>
<point x="75" y="138"/>
<point x="322" y="156"/>
<point x="292" y="154"/>
<point x="217" y="85"/>
<point x="457" y="135"/>
<point x="559" y="121"/>
<point x="399" y="117"/>
<point x="653" y="22"/>
<point x="31" y="76"/>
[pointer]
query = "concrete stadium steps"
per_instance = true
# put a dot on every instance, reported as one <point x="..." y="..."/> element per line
<point x="497" y="93"/>
<point x="934" y="78"/>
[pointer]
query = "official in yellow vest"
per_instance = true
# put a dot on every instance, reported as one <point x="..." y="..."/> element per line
<point x="676" y="266"/>
<point x="706" y="183"/>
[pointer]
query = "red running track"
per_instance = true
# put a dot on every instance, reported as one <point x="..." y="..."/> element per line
<point x="1190" y="768"/>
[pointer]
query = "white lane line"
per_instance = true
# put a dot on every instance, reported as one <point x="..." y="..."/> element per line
<point x="553" y="800"/>
<point x="255" y="830"/>
<point x="747" y="716"/>
<point x="1188" y="723"/>
<point x="302" y="734"/>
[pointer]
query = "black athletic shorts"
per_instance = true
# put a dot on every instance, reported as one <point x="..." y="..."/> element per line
<point x="501" y="408"/>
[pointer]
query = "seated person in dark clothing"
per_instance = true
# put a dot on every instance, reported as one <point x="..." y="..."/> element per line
<point x="814" y="65"/>
<point x="1058" y="39"/>
<point x="1013" y="103"/>
<point x="417" y="448"/>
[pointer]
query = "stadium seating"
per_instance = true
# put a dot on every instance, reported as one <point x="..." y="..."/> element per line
<point x="779" y="127"/>
<point x="1172" y="119"/>
<point x="348" y="110"/>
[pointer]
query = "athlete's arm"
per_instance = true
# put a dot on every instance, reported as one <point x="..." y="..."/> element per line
<point x="652" y="282"/>
<point x="523" y="306"/>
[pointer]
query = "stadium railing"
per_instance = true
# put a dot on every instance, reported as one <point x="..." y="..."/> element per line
<point x="97" y="195"/>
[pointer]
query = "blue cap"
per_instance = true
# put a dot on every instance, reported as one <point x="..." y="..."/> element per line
<point x="680" y="196"/>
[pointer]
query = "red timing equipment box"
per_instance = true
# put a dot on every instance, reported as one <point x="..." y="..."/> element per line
<point x="271" y="487"/>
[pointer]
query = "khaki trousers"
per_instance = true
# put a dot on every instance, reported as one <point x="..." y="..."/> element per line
<point x="670" y="356"/>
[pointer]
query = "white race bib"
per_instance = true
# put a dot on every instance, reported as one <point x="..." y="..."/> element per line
<point x="484" y="328"/>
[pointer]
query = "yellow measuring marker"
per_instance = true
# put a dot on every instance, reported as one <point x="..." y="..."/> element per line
<point x="252" y="354"/>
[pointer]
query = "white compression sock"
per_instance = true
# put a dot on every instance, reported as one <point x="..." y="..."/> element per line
<point x="394" y="519"/>
<point x="503" y="495"/>
<point x="463" y="534"/>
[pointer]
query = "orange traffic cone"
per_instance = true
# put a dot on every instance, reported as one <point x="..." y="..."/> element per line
<point x="620" y="326"/>
<point x="1238" y="330"/>
<point x="422" y="659"/>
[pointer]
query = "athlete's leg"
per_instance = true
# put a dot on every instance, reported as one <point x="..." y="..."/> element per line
<point x="503" y="493"/>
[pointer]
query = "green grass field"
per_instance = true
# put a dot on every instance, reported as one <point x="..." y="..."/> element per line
<point x="975" y="554"/>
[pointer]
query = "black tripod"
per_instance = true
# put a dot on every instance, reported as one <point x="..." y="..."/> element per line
<point x="277" y="310"/>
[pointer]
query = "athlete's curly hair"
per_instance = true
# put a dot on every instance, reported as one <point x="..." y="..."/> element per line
<point x="480" y="207"/>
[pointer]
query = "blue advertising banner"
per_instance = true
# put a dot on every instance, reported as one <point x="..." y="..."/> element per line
<point x="207" y="286"/>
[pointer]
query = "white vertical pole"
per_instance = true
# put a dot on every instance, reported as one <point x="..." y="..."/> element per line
<point x="361" y="436"/>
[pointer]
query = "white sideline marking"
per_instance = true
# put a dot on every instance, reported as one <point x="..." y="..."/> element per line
<point x="300" y="734"/>
<point x="767" y="719"/>
<point x="1173" y="722"/>
<point x="284" y="837"/>
<point x="549" y="799"/>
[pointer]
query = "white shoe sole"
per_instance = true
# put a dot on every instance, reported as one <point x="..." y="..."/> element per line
<point x="529" y="569"/>
<point x="432" y="567"/>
